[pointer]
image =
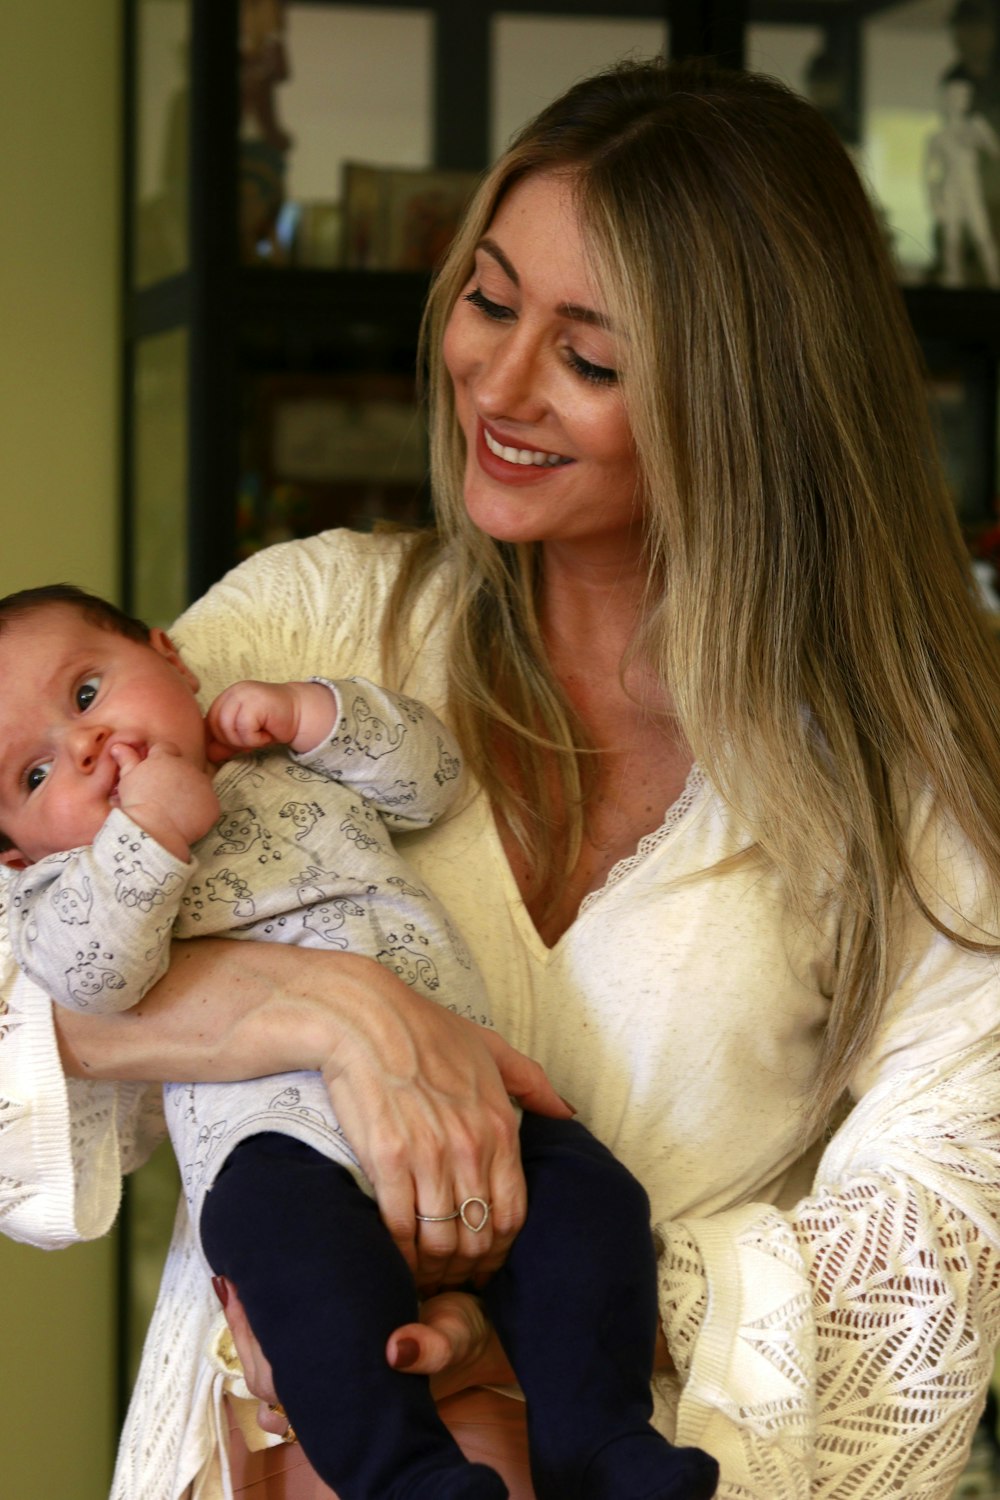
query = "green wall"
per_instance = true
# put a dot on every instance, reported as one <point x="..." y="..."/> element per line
<point x="59" y="126"/>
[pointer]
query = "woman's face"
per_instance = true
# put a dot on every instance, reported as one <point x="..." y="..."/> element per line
<point x="534" y="362"/>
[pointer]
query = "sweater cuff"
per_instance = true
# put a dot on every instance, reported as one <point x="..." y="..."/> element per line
<point x="683" y="1294"/>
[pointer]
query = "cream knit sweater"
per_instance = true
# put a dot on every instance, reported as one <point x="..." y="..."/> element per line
<point x="832" y="1307"/>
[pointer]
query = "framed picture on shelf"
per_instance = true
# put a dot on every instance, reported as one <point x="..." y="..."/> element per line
<point x="401" y="218"/>
<point x="329" y="450"/>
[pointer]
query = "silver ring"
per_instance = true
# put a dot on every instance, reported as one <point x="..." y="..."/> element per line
<point x="481" y="1203"/>
<point x="461" y="1213"/>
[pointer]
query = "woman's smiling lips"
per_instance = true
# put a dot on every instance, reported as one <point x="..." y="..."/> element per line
<point x="514" y="464"/>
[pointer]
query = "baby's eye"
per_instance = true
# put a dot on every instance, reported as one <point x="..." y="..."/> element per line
<point x="87" y="692"/>
<point x="37" y="775"/>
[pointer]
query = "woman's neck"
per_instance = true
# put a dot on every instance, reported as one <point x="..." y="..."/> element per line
<point x="589" y="612"/>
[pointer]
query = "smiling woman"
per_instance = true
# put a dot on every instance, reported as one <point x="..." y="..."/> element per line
<point x="698" y="611"/>
<point x="533" y="363"/>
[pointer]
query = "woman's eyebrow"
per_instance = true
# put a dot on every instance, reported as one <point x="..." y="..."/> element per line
<point x="492" y="248"/>
<point x="572" y="310"/>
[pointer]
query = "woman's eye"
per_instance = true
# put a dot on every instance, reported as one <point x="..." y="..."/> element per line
<point x="87" y="692"/>
<point x="495" y="310"/>
<point x="37" y="775"/>
<point x="596" y="374"/>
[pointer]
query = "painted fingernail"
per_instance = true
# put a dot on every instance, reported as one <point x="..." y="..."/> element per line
<point x="407" y="1353"/>
<point x="221" y="1289"/>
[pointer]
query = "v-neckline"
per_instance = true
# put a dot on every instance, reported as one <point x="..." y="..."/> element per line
<point x="691" y="794"/>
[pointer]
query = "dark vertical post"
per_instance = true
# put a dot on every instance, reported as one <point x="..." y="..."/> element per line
<point x="462" y="84"/>
<point x="843" y="47"/>
<point x="213" y="396"/>
<point x="708" y="28"/>
<point x="126" y="474"/>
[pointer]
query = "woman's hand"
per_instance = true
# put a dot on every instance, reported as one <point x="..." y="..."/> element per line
<point x="256" y="1366"/>
<point x="455" y="1340"/>
<point x="423" y="1099"/>
<point x="457" y="1346"/>
<point x="454" y="1343"/>
<point x="421" y="1093"/>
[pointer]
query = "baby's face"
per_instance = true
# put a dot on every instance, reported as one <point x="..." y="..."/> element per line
<point x="69" y="691"/>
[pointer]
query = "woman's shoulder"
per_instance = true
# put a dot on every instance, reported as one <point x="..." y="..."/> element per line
<point x="324" y="580"/>
<point x="315" y="605"/>
<point x="354" y="560"/>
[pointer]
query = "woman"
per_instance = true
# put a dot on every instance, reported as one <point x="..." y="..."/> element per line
<point x="694" y="553"/>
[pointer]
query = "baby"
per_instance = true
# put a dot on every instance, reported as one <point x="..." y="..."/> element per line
<point x="122" y="835"/>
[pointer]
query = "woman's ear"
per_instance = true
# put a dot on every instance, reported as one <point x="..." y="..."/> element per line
<point x="164" y="646"/>
<point x="13" y="859"/>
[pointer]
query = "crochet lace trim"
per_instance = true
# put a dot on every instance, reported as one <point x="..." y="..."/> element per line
<point x="694" y="786"/>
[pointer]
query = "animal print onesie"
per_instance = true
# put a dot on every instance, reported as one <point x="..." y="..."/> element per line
<point x="301" y="853"/>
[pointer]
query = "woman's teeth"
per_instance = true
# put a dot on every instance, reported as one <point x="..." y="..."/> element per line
<point x="522" y="455"/>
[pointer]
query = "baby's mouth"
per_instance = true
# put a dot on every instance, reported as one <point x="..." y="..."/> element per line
<point x="141" y="751"/>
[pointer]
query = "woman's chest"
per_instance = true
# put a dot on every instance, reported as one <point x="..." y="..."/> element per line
<point x="625" y="804"/>
<point x="681" y="1011"/>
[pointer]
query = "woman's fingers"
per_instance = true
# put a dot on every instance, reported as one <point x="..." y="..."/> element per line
<point x="454" y="1343"/>
<point x="427" y="1110"/>
<point x="469" y="1230"/>
<point x="453" y="1332"/>
<point x="256" y="1367"/>
<point x="525" y="1080"/>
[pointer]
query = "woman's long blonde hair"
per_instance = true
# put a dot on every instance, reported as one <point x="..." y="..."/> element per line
<point x="809" y="605"/>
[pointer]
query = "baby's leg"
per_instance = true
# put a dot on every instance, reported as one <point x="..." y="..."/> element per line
<point x="576" y="1310"/>
<point x="324" y="1286"/>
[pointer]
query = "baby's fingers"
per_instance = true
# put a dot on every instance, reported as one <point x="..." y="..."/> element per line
<point x="125" y="757"/>
<point x="222" y="722"/>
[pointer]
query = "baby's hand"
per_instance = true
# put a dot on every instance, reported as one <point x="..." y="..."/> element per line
<point x="253" y="715"/>
<point x="171" y="799"/>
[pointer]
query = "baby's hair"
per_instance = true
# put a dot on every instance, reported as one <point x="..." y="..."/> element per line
<point x="94" y="609"/>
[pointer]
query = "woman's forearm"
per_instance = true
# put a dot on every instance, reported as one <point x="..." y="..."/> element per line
<point x="422" y="1094"/>
<point x="225" y="1010"/>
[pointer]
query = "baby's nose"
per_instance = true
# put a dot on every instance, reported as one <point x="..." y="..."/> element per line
<point x="87" y="742"/>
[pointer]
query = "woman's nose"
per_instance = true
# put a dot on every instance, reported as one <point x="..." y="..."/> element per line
<point x="511" y="381"/>
<point x="86" y="741"/>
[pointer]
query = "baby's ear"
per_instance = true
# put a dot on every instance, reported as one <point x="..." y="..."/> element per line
<point x="164" y="646"/>
<point x="13" y="859"/>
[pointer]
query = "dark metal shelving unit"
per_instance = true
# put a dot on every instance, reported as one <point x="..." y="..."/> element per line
<point x="241" y="320"/>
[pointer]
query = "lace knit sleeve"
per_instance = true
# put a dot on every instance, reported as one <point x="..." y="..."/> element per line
<point x="309" y="608"/>
<point x="63" y="1144"/>
<point x="840" y="1351"/>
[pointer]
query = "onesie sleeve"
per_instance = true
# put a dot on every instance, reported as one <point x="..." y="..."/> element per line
<point x="840" y="1350"/>
<point x="392" y="750"/>
<point x="92" y="926"/>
